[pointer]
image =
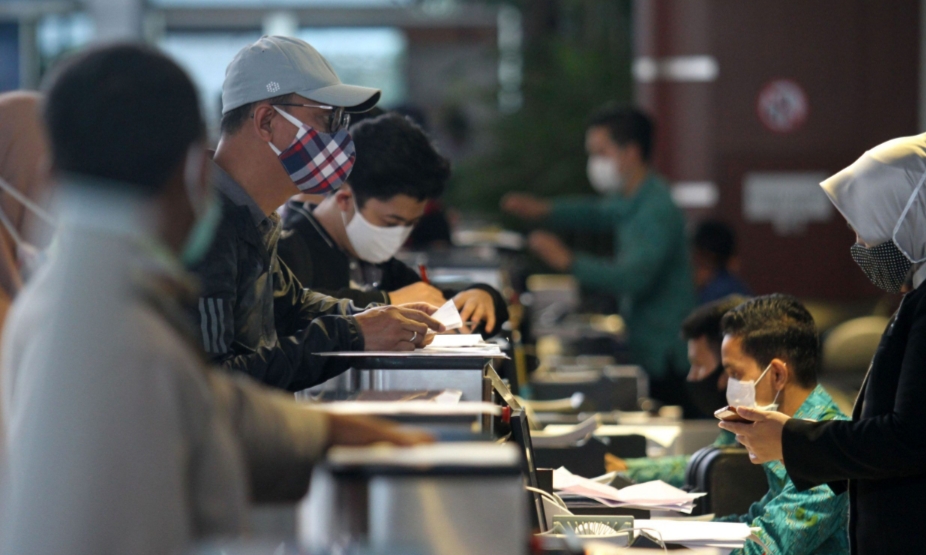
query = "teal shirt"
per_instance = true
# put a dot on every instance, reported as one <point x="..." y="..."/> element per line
<point x="671" y="469"/>
<point x="799" y="522"/>
<point x="650" y="272"/>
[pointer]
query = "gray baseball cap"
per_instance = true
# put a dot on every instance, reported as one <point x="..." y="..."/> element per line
<point x="275" y="66"/>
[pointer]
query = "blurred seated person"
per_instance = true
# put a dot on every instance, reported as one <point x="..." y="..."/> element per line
<point x="771" y="355"/>
<point x="707" y="385"/>
<point x="433" y="230"/>
<point x="713" y="255"/>
<point x="649" y="272"/>
<point x="346" y="245"/>
<point x="120" y="438"/>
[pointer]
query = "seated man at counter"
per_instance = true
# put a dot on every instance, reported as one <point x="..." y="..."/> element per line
<point x="345" y="246"/>
<point x="707" y="383"/>
<point x="771" y="354"/>
<point x="713" y="254"/>
<point x="284" y="130"/>
<point x="120" y="439"/>
<point x="649" y="272"/>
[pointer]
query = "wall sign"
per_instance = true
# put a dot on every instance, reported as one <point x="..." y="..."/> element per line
<point x="782" y="106"/>
<point x="788" y="200"/>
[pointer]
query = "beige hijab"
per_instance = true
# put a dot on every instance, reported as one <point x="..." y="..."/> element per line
<point x="882" y="196"/>
<point x="23" y="164"/>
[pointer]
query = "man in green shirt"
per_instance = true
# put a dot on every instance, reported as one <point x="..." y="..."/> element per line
<point x="771" y="355"/>
<point x="649" y="273"/>
<point x="706" y="385"/>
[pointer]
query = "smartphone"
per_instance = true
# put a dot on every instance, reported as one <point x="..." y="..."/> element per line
<point x="727" y="414"/>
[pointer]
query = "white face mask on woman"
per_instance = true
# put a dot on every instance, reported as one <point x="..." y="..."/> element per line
<point x="374" y="243"/>
<point x="743" y="393"/>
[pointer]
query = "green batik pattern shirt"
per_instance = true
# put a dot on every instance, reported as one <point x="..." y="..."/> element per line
<point x="799" y="522"/>
<point x="649" y="272"/>
<point x="671" y="469"/>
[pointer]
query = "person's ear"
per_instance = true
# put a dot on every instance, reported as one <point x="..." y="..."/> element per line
<point x="344" y="198"/>
<point x="779" y="374"/>
<point x="633" y="154"/>
<point x="263" y="120"/>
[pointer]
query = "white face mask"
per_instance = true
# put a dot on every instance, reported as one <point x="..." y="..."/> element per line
<point x="743" y="394"/>
<point x="604" y="175"/>
<point x="29" y="256"/>
<point x="371" y="242"/>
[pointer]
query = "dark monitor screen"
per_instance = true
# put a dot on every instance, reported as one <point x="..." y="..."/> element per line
<point x="520" y="433"/>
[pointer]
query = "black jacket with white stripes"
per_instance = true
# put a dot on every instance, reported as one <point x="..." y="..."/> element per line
<point x="254" y="315"/>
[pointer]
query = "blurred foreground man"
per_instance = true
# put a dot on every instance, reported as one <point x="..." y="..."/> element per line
<point x="120" y="439"/>
<point x="284" y="130"/>
<point x="650" y="272"/>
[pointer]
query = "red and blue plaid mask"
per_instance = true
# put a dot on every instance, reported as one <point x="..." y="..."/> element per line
<point x="317" y="162"/>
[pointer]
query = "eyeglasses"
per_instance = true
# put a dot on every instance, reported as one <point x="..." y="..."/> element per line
<point x="338" y="119"/>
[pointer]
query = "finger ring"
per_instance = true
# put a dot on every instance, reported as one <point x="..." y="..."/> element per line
<point x="414" y="337"/>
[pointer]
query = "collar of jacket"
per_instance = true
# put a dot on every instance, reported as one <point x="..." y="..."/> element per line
<point x="236" y="194"/>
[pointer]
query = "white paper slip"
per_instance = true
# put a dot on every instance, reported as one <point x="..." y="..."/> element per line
<point x="652" y="495"/>
<point x="426" y="408"/>
<point x="449" y="316"/>
<point x="565" y="437"/>
<point x="489" y="351"/>
<point x="698" y="534"/>
<point x="456" y="340"/>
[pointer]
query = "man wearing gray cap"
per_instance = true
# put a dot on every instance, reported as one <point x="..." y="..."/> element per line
<point x="284" y="130"/>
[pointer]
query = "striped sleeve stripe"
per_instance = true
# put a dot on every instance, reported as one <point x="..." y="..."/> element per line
<point x="221" y="304"/>
<point x="212" y="324"/>
<point x="204" y="323"/>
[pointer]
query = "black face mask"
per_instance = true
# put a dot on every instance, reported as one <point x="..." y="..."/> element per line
<point x="884" y="265"/>
<point x="704" y="394"/>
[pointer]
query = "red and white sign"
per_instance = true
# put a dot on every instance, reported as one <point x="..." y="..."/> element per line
<point x="782" y="106"/>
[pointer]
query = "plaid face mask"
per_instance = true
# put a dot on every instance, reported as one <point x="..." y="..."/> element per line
<point x="316" y="162"/>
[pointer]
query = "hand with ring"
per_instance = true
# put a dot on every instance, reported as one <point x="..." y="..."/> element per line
<point x="386" y="328"/>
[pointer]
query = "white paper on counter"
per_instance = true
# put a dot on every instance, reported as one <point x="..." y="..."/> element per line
<point x="729" y="535"/>
<point x="565" y="436"/>
<point x="650" y="495"/>
<point x="456" y="340"/>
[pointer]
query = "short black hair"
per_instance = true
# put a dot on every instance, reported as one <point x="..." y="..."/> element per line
<point x="395" y="157"/>
<point x="234" y="119"/>
<point x="626" y="125"/>
<point x="777" y="326"/>
<point x="124" y="113"/>
<point x="715" y="239"/>
<point x="704" y="321"/>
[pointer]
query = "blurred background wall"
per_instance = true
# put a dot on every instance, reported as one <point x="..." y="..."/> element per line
<point x="754" y="101"/>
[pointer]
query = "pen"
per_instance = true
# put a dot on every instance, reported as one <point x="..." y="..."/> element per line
<point x="423" y="270"/>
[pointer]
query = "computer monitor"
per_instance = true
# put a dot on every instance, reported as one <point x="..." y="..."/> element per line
<point x="520" y="434"/>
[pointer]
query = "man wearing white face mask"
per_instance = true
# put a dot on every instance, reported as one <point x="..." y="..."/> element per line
<point x="346" y="246"/>
<point x="771" y="352"/>
<point x="650" y="272"/>
<point x="284" y="130"/>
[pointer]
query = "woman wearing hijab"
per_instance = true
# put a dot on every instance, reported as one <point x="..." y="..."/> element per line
<point x="23" y="152"/>
<point x="880" y="455"/>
